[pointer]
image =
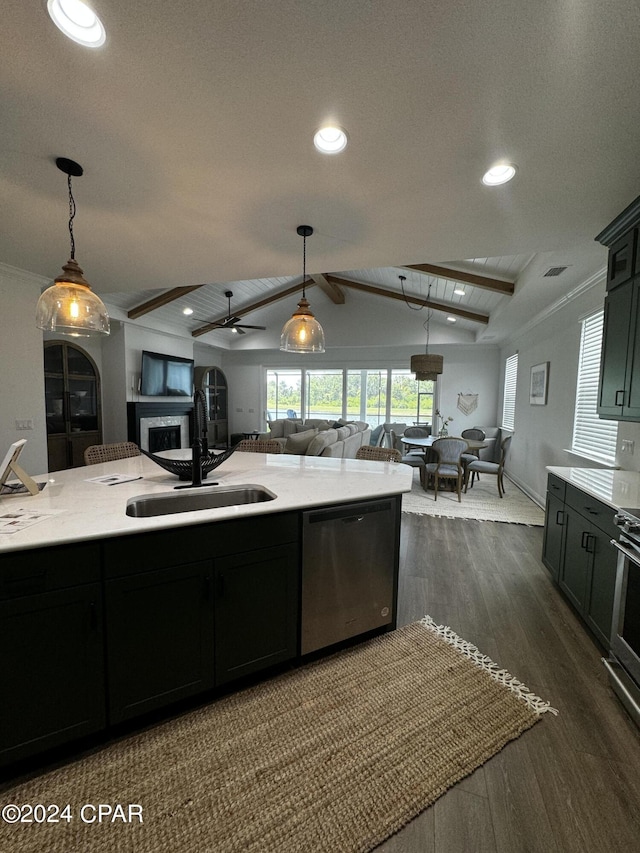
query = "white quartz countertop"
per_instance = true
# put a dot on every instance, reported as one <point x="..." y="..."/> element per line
<point x="618" y="489"/>
<point x="72" y="509"/>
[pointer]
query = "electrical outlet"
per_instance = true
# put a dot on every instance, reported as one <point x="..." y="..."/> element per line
<point x="627" y="446"/>
<point x="251" y="411"/>
<point x="239" y="410"/>
<point x="24" y="423"/>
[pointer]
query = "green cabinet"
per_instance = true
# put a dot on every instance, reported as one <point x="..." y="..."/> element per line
<point x="578" y="552"/>
<point x="52" y="658"/>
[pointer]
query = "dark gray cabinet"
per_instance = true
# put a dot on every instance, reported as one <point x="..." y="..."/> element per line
<point x="214" y="384"/>
<point x="191" y="608"/>
<point x="51" y="649"/>
<point x="159" y="638"/>
<point x="256" y="611"/>
<point x="72" y="403"/>
<point x="578" y="553"/>
<point x="619" y="392"/>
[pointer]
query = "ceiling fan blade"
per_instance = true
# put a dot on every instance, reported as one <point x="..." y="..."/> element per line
<point x="243" y="326"/>
<point x="240" y="330"/>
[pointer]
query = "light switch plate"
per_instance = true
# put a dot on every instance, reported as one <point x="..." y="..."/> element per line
<point x="627" y="446"/>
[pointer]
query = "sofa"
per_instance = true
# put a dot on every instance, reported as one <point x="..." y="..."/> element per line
<point x="317" y="437"/>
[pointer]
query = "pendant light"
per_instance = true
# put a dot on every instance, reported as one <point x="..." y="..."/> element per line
<point x="302" y="333"/>
<point x="426" y="366"/>
<point x="69" y="306"/>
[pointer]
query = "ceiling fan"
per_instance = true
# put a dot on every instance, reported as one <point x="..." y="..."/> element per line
<point x="231" y="322"/>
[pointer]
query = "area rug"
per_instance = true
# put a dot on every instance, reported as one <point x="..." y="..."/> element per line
<point x="481" y="502"/>
<point x="333" y="756"/>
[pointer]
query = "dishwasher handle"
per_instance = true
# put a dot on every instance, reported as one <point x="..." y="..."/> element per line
<point x="353" y="519"/>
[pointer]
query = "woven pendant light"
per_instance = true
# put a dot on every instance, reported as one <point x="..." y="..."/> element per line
<point x="427" y="366"/>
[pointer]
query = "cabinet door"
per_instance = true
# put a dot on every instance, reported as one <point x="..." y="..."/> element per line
<point x="602" y="580"/>
<point x="631" y="409"/>
<point x="622" y="259"/>
<point x="617" y="324"/>
<point x="574" y="569"/>
<point x="256" y="611"/>
<point x="553" y="535"/>
<point x="159" y="638"/>
<point x="51" y="670"/>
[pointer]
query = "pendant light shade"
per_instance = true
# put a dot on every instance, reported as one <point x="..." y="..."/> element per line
<point x="69" y="306"/>
<point x="302" y="333"/>
<point x="426" y="366"/>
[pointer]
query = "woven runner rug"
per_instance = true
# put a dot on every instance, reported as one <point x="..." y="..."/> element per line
<point x="334" y="756"/>
<point x="481" y="503"/>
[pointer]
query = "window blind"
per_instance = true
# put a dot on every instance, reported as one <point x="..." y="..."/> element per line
<point x="592" y="436"/>
<point x="509" y="398"/>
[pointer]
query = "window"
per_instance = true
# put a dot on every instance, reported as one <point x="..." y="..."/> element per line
<point x="370" y="395"/>
<point x="509" y="398"/>
<point x="284" y="393"/>
<point x="592" y="436"/>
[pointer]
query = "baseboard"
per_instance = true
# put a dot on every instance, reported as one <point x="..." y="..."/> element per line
<point x="536" y="498"/>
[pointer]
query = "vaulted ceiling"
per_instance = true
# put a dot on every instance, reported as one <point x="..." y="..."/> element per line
<point x="194" y="125"/>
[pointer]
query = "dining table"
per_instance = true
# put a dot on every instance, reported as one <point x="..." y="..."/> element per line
<point x="426" y="442"/>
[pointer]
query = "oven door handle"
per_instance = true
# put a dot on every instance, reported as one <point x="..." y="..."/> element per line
<point x="634" y="556"/>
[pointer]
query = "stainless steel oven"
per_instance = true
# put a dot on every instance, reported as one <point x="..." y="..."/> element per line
<point x="624" y="664"/>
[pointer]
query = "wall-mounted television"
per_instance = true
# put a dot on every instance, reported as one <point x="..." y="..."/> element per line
<point x="166" y="375"/>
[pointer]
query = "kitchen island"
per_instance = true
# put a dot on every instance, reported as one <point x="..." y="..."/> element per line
<point x="105" y="617"/>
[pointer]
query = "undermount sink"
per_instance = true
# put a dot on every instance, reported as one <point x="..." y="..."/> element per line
<point x="170" y="503"/>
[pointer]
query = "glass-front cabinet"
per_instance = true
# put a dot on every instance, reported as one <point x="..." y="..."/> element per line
<point x="72" y="402"/>
<point x="214" y="384"/>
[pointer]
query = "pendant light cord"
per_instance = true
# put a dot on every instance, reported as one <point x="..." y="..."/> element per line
<point x="304" y="264"/>
<point x="72" y="213"/>
<point x="403" y="278"/>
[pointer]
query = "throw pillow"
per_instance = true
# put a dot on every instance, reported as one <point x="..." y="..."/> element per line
<point x="276" y="429"/>
<point x="322" y="440"/>
<point x="298" y="442"/>
<point x="290" y="427"/>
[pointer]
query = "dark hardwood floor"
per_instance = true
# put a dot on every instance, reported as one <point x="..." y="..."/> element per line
<point x="572" y="782"/>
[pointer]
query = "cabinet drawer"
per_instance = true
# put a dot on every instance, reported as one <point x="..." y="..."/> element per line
<point x="622" y="259"/>
<point x="144" y="552"/>
<point x="46" y="569"/>
<point x="594" y="510"/>
<point x="556" y="486"/>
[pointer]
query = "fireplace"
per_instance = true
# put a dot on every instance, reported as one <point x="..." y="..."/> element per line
<point x="164" y="438"/>
<point x="160" y="426"/>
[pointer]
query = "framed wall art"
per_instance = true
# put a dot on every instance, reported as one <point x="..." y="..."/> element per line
<point x="539" y="384"/>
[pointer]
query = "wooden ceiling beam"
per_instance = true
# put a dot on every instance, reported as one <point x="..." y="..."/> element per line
<point x="335" y="294"/>
<point x="414" y="300"/>
<point x="275" y="297"/>
<point x="485" y="282"/>
<point x="159" y="301"/>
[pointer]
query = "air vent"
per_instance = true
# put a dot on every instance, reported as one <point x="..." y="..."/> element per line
<point x="552" y="271"/>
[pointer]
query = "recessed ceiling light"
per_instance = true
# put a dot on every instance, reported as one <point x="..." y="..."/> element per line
<point x="499" y="174"/>
<point x="451" y="319"/>
<point x="187" y="311"/>
<point x="459" y="290"/>
<point x="77" y="21"/>
<point x="331" y="139"/>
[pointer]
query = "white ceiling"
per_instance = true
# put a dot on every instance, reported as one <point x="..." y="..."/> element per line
<point x="194" y="126"/>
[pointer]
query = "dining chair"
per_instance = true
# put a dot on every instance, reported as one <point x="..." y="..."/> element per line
<point x="481" y="466"/>
<point x="108" y="452"/>
<point x="449" y="465"/>
<point x="416" y="432"/>
<point x="469" y="456"/>
<point x="265" y="445"/>
<point x="378" y="454"/>
<point x="415" y="460"/>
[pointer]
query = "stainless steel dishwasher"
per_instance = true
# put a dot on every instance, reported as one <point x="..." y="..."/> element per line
<point x="349" y="570"/>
